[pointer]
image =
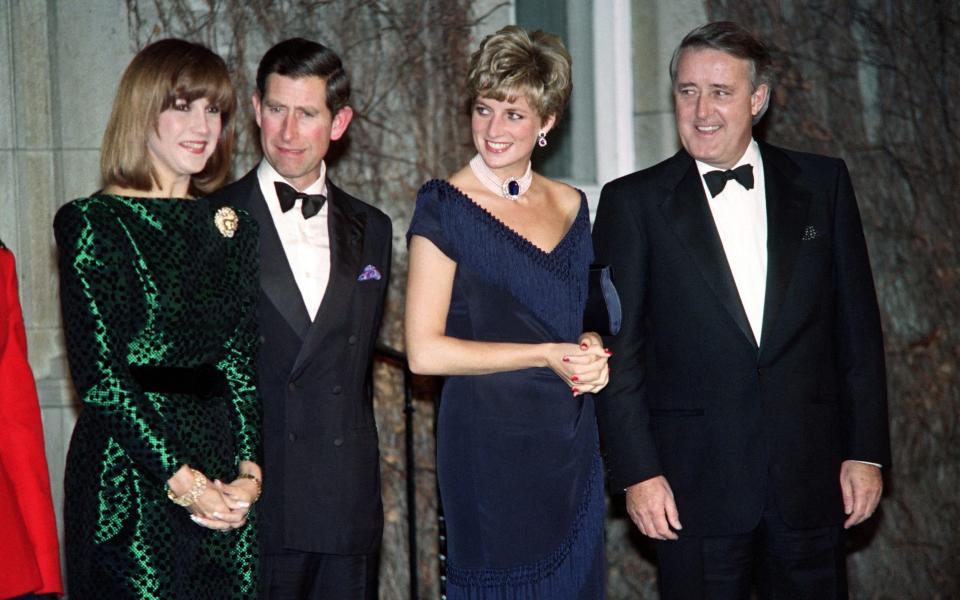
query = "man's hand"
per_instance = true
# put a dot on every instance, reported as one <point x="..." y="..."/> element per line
<point x="861" y="485"/>
<point x="651" y="506"/>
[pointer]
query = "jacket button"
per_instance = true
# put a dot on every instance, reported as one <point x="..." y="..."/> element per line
<point x="352" y="340"/>
<point x="338" y="442"/>
<point x="263" y="339"/>
<point x="337" y="389"/>
<point x="292" y="437"/>
<point x="292" y="386"/>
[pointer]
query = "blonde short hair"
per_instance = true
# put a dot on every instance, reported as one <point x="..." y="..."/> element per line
<point x="513" y="62"/>
<point x="158" y="76"/>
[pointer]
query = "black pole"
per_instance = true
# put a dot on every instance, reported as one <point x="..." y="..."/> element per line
<point x="408" y="410"/>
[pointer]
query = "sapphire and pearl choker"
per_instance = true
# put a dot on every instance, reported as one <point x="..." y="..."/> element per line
<point x="511" y="189"/>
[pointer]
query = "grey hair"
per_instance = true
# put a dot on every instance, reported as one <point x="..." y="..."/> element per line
<point x="732" y="39"/>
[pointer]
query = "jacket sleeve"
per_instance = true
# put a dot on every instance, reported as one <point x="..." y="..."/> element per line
<point x="622" y="407"/>
<point x="103" y="304"/>
<point x="859" y="343"/>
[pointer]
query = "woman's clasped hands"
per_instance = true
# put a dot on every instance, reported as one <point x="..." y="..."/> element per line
<point x="215" y="504"/>
<point x="583" y="367"/>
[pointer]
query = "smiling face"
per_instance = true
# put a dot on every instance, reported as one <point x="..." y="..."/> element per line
<point x="184" y="138"/>
<point x="296" y="126"/>
<point x="505" y="133"/>
<point x="715" y="104"/>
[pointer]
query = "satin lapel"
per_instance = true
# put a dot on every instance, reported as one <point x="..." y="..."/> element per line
<point x="346" y="229"/>
<point x="689" y="214"/>
<point x="276" y="278"/>
<point x="787" y="207"/>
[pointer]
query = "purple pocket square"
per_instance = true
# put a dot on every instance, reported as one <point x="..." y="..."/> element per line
<point x="369" y="272"/>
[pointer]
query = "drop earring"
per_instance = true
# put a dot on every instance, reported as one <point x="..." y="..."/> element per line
<point x="542" y="139"/>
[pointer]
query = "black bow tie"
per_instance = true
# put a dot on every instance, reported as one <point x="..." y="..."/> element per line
<point x="311" y="205"/>
<point x="717" y="180"/>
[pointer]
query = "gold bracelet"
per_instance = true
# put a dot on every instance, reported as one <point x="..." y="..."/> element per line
<point x="199" y="486"/>
<point x="256" y="481"/>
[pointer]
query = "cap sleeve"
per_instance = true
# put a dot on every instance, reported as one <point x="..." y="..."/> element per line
<point x="428" y="217"/>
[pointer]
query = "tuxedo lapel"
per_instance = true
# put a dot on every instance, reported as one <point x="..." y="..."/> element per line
<point x="276" y="278"/>
<point x="687" y="211"/>
<point x="787" y="207"/>
<point x="346" y="229"/>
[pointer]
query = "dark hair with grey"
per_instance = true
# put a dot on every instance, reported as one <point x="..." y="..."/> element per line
<point x="514" y="62"/>
<point x="296" y="58"/>
<point x="733" y="39"/>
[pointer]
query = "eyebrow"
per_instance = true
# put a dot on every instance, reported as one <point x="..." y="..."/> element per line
<point x="712" y="86"/>
<point x="307" y="107"/>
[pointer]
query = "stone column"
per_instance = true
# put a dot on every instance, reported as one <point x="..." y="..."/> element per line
<point x="59" y="64"/>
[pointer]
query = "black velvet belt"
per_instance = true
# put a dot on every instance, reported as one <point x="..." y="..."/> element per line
<point x="204" y="381"/>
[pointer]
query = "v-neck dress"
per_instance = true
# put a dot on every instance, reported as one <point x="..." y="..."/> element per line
<point x="518" y="460"/>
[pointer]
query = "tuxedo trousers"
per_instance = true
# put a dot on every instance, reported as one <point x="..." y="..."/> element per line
<point x="780" y="561"/>
<point x="293" y="575"/>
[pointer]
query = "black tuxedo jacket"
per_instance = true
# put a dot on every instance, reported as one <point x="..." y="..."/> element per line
<point x="321" y="479"/>
<point x="692" y="396"/>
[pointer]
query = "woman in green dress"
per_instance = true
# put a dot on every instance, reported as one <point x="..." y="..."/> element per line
<point x="158" y="293"/>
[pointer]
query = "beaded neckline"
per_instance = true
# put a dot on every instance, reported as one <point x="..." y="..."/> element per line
<point x="513" y="233"/>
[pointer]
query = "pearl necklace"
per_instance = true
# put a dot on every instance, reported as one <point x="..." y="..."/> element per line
<point x="511" y="189"/>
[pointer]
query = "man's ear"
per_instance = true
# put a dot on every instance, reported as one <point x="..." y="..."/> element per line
<point x="256" y="107"/>
<point x="340" y="122"/>
<point x="758" y="98"/>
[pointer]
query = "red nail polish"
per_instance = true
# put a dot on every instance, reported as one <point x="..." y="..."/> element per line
<point x="574" y="390"/>
<point x="566" y="359"/>
<point x="584" y="346"/>
<point x="607" y="350"/>
<point x="574" y="378"/>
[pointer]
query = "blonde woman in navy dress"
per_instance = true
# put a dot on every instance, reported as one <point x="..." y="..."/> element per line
<point x="499" y="257"/>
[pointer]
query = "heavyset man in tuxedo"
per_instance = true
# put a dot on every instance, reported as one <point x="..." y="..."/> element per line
<point x="746" y="413"/>
<point x="325" y="264"/>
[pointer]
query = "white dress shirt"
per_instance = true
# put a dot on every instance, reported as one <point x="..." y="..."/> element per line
<point x="306" y="242"/>
<point x="741" y="219"/>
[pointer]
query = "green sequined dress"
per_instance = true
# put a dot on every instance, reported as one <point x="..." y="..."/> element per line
<point x="157" y="282"/>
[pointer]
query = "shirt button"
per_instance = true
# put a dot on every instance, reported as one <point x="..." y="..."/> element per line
<point x="337" y="389"/>
<point x="338" y="442"/>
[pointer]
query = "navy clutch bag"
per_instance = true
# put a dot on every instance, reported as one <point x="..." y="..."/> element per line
<point x="602" y="313"/>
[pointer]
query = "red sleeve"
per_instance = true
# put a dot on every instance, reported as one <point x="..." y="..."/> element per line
<point x="21" y="436"/>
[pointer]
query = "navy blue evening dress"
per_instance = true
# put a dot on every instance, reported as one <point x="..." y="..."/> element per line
<point x="518" y="459"/>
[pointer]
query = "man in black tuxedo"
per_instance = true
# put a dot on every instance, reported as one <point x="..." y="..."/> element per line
<point x="325" y="263"/>
<point x="746" y="412"/>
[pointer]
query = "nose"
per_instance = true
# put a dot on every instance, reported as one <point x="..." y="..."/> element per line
<point x="494" y="126"/>
<point x="201" y="121"/>
<point x="288" y="130"/>
<point x="703" y="106"/>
